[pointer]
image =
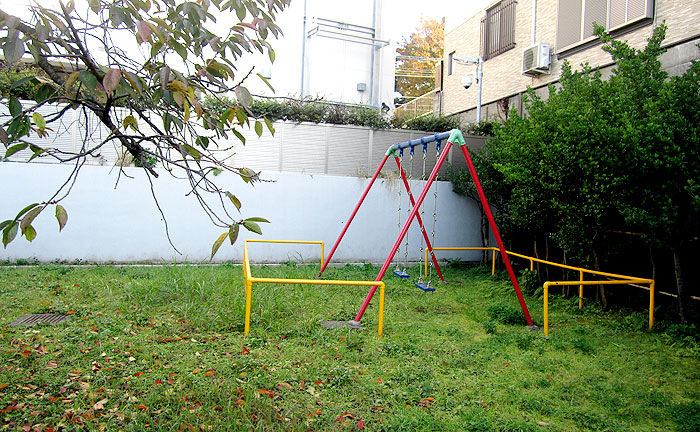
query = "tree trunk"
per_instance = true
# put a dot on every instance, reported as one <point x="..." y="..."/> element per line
<point x="601" y="288"/>
<point x="680" y="284"/>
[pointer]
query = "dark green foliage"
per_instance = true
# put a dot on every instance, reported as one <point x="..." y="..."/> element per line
<point x="431" y="123"/>
<point x="11" y="75"/>
<point x="506" y="314"/>
<point x="687" y="416"/>
<point x="312" y="111"/>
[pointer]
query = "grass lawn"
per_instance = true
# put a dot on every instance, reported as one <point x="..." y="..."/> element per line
<point x="163" y="349"/>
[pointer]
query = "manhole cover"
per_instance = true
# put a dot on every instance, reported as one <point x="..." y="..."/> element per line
<point x="32" y="319"/>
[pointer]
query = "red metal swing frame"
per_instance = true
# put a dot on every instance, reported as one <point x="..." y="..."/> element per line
<point x="453" y="137"/>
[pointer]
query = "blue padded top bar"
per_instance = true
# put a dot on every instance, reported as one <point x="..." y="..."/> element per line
<point x="421" y="141"/>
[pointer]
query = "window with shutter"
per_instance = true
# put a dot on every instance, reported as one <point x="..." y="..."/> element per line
<point x="498" y="29"/>
<point x="575" y="18"/>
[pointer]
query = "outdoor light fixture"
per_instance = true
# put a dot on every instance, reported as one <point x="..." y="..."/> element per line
<point x="469" y="78"/>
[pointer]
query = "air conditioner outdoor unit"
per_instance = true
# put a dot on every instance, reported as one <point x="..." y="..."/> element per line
<point x="536" y="60"/>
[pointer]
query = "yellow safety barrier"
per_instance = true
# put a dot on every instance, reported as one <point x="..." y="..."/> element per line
<point x="323" y="245"/>
<point x="250" y="280"/>
<point x="623" y="280"/>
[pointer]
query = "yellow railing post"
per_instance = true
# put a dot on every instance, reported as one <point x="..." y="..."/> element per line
<point x="493" y="261"/>
<point x="532" y="265"/>
<point x="580" y="291"/>
<point x="381" y="308"/>
<point x="652" y="286"/>
<point x="248" y="295"/>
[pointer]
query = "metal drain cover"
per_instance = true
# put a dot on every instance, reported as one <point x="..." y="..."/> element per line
<point x="33" y="319"/>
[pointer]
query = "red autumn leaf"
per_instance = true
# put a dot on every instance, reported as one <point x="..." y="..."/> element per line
<point x="360" y="424"/>
<point x="111" y="80"/>
<point x="245" y="351"/>
<point x="159" y="381"/>
<point x="379" y="380"/>
<point x="141" y="407"/>
<point x="427" y="402"/>
<point x="138" y="374"/>
<point x="209" y="373"/>
<point x="2" y="386"/>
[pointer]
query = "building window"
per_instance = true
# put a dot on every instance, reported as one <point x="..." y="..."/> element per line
<point x="498" y="29"/>
<point x="575" y="18"/>
<point x="450" y="61"/>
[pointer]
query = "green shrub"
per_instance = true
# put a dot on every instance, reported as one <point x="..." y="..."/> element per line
<point x="506" y="314"/>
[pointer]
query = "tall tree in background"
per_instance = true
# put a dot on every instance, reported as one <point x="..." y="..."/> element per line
<point x="142" y="67"/>
<point x="415" y="76"/>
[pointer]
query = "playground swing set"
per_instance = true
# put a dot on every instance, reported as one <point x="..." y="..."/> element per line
<point x="415" y="212"/>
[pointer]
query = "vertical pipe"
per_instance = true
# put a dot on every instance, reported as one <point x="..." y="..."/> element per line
<point x="352" y="215"/>
<point x="404" y="230"/>
<point x="479" y="76"/>
<point x="493" y="262"/>
<point x="580" y="290"/>
<point x="381" y="309"/>
<point x="532" y="265"/>
<point x="248" y="295"/>
<point x="497" y="235"/>
<point x="429" y="247"/>
<point x="533" y="39"/>
<point x="303" y="54"/>
<point x="546" y="309"/>
<point x="651" y="303"/>
<point x="371" y="66"/>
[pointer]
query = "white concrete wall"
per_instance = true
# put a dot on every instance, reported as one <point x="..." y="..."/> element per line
<point x="122" y="224"/>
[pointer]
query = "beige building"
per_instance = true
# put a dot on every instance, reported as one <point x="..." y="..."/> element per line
<point x="525" y="42"/>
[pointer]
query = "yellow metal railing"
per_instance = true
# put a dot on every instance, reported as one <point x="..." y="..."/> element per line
<point x="323" y="245"/>
<point x="422" y="105"/>
<point x="250" y="280"/>
<point x="621" y="279"/>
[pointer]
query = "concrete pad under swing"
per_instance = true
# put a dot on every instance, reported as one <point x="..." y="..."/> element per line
<point x="331" y="324"/>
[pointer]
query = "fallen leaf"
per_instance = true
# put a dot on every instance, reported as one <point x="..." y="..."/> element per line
<point x="141" y="407"/>
<point x="541" y="423"/>
<point x="245" y="351"/>
<point x="360" y="424"/>
<point x="2" y="386"/>
<point x="209" y="373"/>
<point x="427" y="402"/>
<point x="196" y="371"/>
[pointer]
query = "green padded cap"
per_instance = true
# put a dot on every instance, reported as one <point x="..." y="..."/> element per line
<point x="392" y="152"/>
<point x="456" y="137"/>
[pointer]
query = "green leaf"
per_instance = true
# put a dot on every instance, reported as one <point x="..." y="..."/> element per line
<point x="257" y="219"/>
<point x="258" y="128"/>
<point x="94" y="5"/>
<point x="23" y="81"/>
<point x="202" y="141"/>
<point x="39" y="120"/>
<point x="243" y="96"/>
<point x="5" y="223"/>
<point x="252" y="227"/>
<point x="14" y="47"/>
<point x="271" y="128"/>
<point x="29" y="218"/>
<point x="30" y="233"/>
<point x="9" y="233"/>
<point x="15" y="107"/>
<point x="266" y="81"/>
<point x="217" y="244"/>
<point x="45" y="91"/>
<point x="61" y="216"/>
<point x="236" y="202"/>
<point x="15" y="148"/>
<point x="181" y="50"/>
<point x="130" y="122"/>
<point x="239" y="136"/>
<point x="89" y="80"/>
<point x="271" y="54"/>
<point x="233" y="233"/>
<point x="192" y="151"/>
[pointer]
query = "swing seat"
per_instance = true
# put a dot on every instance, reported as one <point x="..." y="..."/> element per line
<point x="425" y="287"/>
<point x="402" y="274"/>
